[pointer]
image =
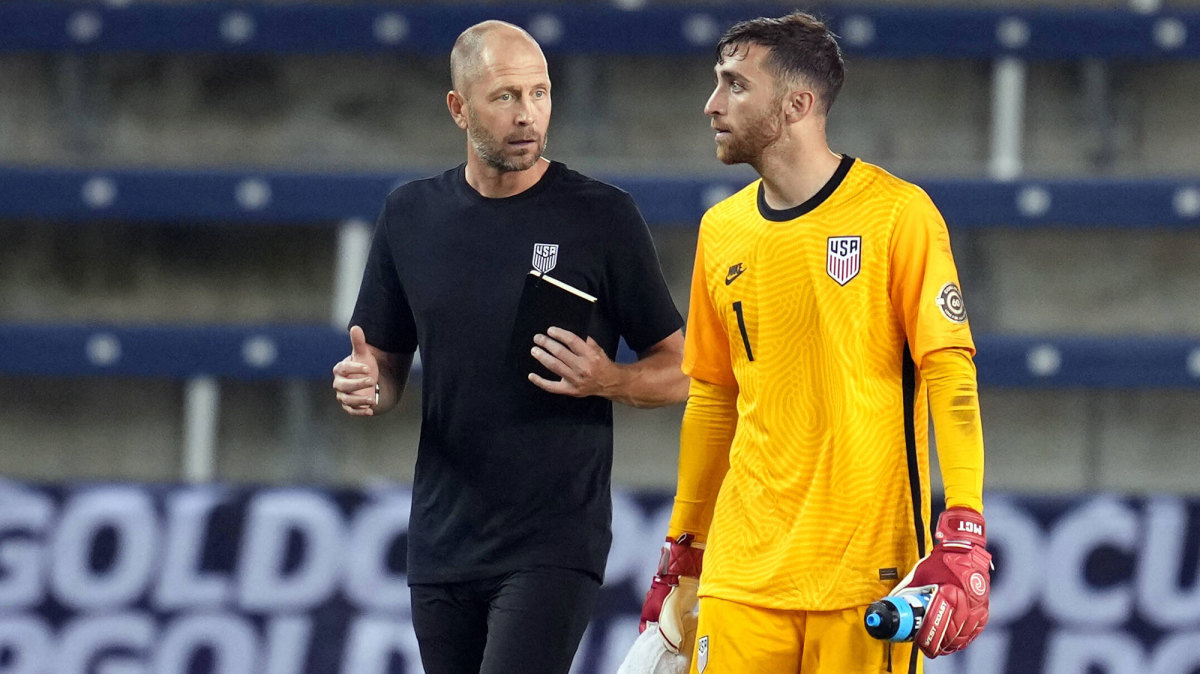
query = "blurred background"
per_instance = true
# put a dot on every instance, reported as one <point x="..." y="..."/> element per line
<point x="187" y="189"/>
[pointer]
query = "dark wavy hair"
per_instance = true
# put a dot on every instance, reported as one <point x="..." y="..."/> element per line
<point x="800" y="46"/>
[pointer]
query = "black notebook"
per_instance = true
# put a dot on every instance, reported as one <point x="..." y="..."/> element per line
<point x="546" y="301"/>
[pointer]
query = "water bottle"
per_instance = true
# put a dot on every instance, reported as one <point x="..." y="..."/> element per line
<point x="897" y="617"/>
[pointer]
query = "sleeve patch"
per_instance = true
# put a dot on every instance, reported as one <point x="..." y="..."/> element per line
<point x="950" y="301"/>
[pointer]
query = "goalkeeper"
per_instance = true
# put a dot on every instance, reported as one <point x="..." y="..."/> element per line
<point x="826" y="327"/>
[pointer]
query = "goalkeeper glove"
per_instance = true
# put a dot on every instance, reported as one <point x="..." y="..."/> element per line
<point x="670" y="605"/>
<point x="959" y="570"/>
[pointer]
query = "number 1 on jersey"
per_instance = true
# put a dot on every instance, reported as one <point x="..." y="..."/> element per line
<point x="737" y="309"/>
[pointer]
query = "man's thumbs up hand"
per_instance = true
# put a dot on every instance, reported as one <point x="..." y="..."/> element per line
<point x="356" y="377"/>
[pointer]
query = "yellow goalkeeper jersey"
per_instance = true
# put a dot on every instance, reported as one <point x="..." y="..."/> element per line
<point x="821" y="315"/>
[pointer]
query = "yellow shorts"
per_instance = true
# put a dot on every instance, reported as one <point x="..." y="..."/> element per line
<point x="734" y="638"/>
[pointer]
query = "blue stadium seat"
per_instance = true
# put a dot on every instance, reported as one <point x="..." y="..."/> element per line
<point x="261" y="352"/>
<point x="892" y="32"/>
<point x="248" y="197"/>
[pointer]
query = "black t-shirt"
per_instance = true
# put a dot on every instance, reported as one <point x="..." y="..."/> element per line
<point x="507" y="475"/>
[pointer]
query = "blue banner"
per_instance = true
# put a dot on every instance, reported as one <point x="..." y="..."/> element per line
<point x="221" y="580"/>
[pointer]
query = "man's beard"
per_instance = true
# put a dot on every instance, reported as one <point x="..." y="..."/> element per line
<point x="491" y="150"/>
<point x="760" y="132"/>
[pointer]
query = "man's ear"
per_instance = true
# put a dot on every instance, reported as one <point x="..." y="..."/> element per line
<point x="798" y="104"/>
<point x="456" y="103"/>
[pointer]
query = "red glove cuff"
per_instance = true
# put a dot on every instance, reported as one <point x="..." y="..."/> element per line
<point x="962" y="527"/>
<point x="680" y="558"/>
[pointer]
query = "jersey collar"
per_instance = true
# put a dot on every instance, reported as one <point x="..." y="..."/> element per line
<point x="783" y="215"/>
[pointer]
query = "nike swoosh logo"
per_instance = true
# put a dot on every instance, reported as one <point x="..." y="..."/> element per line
<point x="734" y="272"/>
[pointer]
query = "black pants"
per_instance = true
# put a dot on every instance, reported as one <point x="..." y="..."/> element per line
<point x="525" y="622"/>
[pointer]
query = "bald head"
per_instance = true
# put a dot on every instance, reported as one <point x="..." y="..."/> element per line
<point x="485" y="45"/>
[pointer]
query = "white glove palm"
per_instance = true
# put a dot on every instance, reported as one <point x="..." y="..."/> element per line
<point x="649" y="655"/>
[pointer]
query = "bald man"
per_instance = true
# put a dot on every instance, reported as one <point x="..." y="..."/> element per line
<point x="509" y="530"/>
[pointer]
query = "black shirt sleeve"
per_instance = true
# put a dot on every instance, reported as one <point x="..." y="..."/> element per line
<point x="641" y="303"/>
<point x="382" y="310"/>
